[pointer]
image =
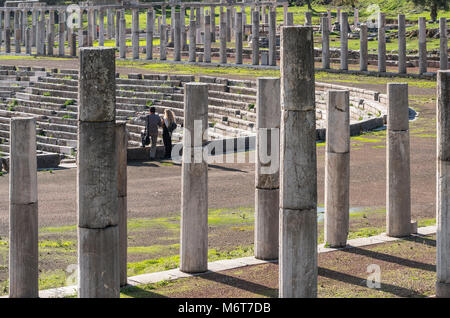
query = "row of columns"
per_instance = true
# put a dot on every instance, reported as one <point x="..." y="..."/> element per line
<point x="363" y="52"/>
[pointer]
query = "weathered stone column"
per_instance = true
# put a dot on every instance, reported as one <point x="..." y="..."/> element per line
<point x="33" y="27"/>
<point x="363" y="48"/>
<point x="356" y="17"/>
<point x="443" y="189"/>
<point x="73" y="45"/>
<point x="50" y="36"/>
<point x="8" y="40"/>
<point x="80" y="30"/>
<point x="213" y="24"/>
<point x="344" y="41"/>
<point x="61" y="29"/>
<point x="238" y="37"/>
<point x="381" y="42"/>
<point x="90" y="30"/>
<point x="308" y="18"/>
<point x="1" y="27"/>
<point x="135" y="33"/>
<point x="255" y="38"/>
<point x="285" y="15"/>
<point x="298" y="191"/>
<point x="28" y="41"/>
<point x="177" y="36"/>
<point x="267" y="184"/>
<point x="290" y="19"/>
<point x="101" y="27"/>
<point x="172" y="25"/>
<point x="422" y="45"/>
<point x="228" y="22"/>
<point x="122" y="146"/>
<point x="338" y="15"/>
<point x="17" y="32"/>
<point x="207" y="32"/>
<point x="443" y="48"/>
<point x="330" y="25"/>
<point x="163" y="43"/>
<point x="398" y="192"/>
<point x="401" y="44"/>
<point x="183" y="39"/>
<point x="97" y="176"/>
<point x="325" y="43"/>
<point x="337" y="169"/>
<point x="272" y="37"/>
<point x="23" y="24"/>
<point x="149" y="34"/>
<point x="116" y="25"/>
<point x="110" y="23"/>
<point x="194" y="181"/>
<point x="223" y="38"/>
<point x="23" y="210"/>
<point x="192" y="44"/>
<point x="122" y="38"/>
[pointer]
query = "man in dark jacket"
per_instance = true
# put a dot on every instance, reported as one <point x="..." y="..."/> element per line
<point x="153" y="121"/>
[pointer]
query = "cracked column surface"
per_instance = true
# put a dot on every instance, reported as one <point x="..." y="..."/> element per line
<point x="298" y="173"/>
<point x="97" y="176"/>
<point x="23" y="210"/>
<point x="443" y="188"/>
<point x="194" y="181"/>
<point x="337" y="169"/>
<point x="398" y="191"/>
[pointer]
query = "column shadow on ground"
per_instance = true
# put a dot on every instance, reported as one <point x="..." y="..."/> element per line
<point x="358" y="281"/>
<point x="138" y="292"/>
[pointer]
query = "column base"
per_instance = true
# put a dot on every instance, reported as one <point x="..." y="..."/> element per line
<point x="442" y="290"/>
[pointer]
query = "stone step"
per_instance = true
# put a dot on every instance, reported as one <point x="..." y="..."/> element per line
<point x="232" y="97"/>
<point x="56" y="87"/>
<point x="143" y="88"/>
<point x="53" y="93"/>
<point x="231" y="104"/>
<point x="126" y="81"/>
<point x="62" y="81"/>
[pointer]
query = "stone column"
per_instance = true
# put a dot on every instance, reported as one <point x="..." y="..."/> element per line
<point x="344" y="41"/>
<point x="183" y="28"/>
<point x="23" y="210"/>
<point x="192" y="44"/>
<point x="267" y="203"/>
<point x="33" y="27"/>
<point x="363" y="49"/>
<point x="177" y="36"/>
<point x="110" y="23"/>
<point x="28" y="41"/>
<point x="194" y="184"/>
<point x="422" y="45"/>
<point x="61" y="29"/>
<point x="50" y="37"/>
<point x="162" y="44"/>
<point x="255" y="38"/>
<point x="228" y="22"/>
<point x="213" y="24"/>
<point x="381" y="42"/>
<point x="172" y="24"/>
<point x="325" y="43"/>
<point x="207" y="47"/>
<point x="7" y="40"/>
<point x="338" y="15"/>
<point x="90" y="30"/>
<point x="149" y="33"/>
<point x="73" y="45"/>
<point x="290" y="19"/>
<point x="23" y="24"/>
<point x="101" y="28"/>
<point x="135" y="33"/>
<point x="398" y="192"/>
<point x="308" y="18"/>
<point x="330" y="25"/>
<point x="1" y="27"/>
<point x="122" y="146"/>
<point x="337" y="169"/>
<point x="356" y="17"/>
<point x="223" y="38"/>
<point x="80" y="30"/>
<point x="285" y="15"/>
<point x="401" y="44"/>
<point x="97" y="176"/>
<point x="238" y="37"/>
<point x="298" y="191"/>
<point x="272" y="37"/>
<point x="122" y="38"/>
<point x="17" y="32"/>
<point x="443" y="188"/>
<point x="443" y="48"/>
<point x="116" y="26"/>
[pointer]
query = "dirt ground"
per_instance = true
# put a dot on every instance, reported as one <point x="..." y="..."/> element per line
<point x="154" y="190"/>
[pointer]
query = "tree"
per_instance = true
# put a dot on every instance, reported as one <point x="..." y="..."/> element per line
<point x="434" y="5"/>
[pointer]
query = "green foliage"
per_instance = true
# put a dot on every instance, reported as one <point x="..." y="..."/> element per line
<point x="69" y="102"/>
